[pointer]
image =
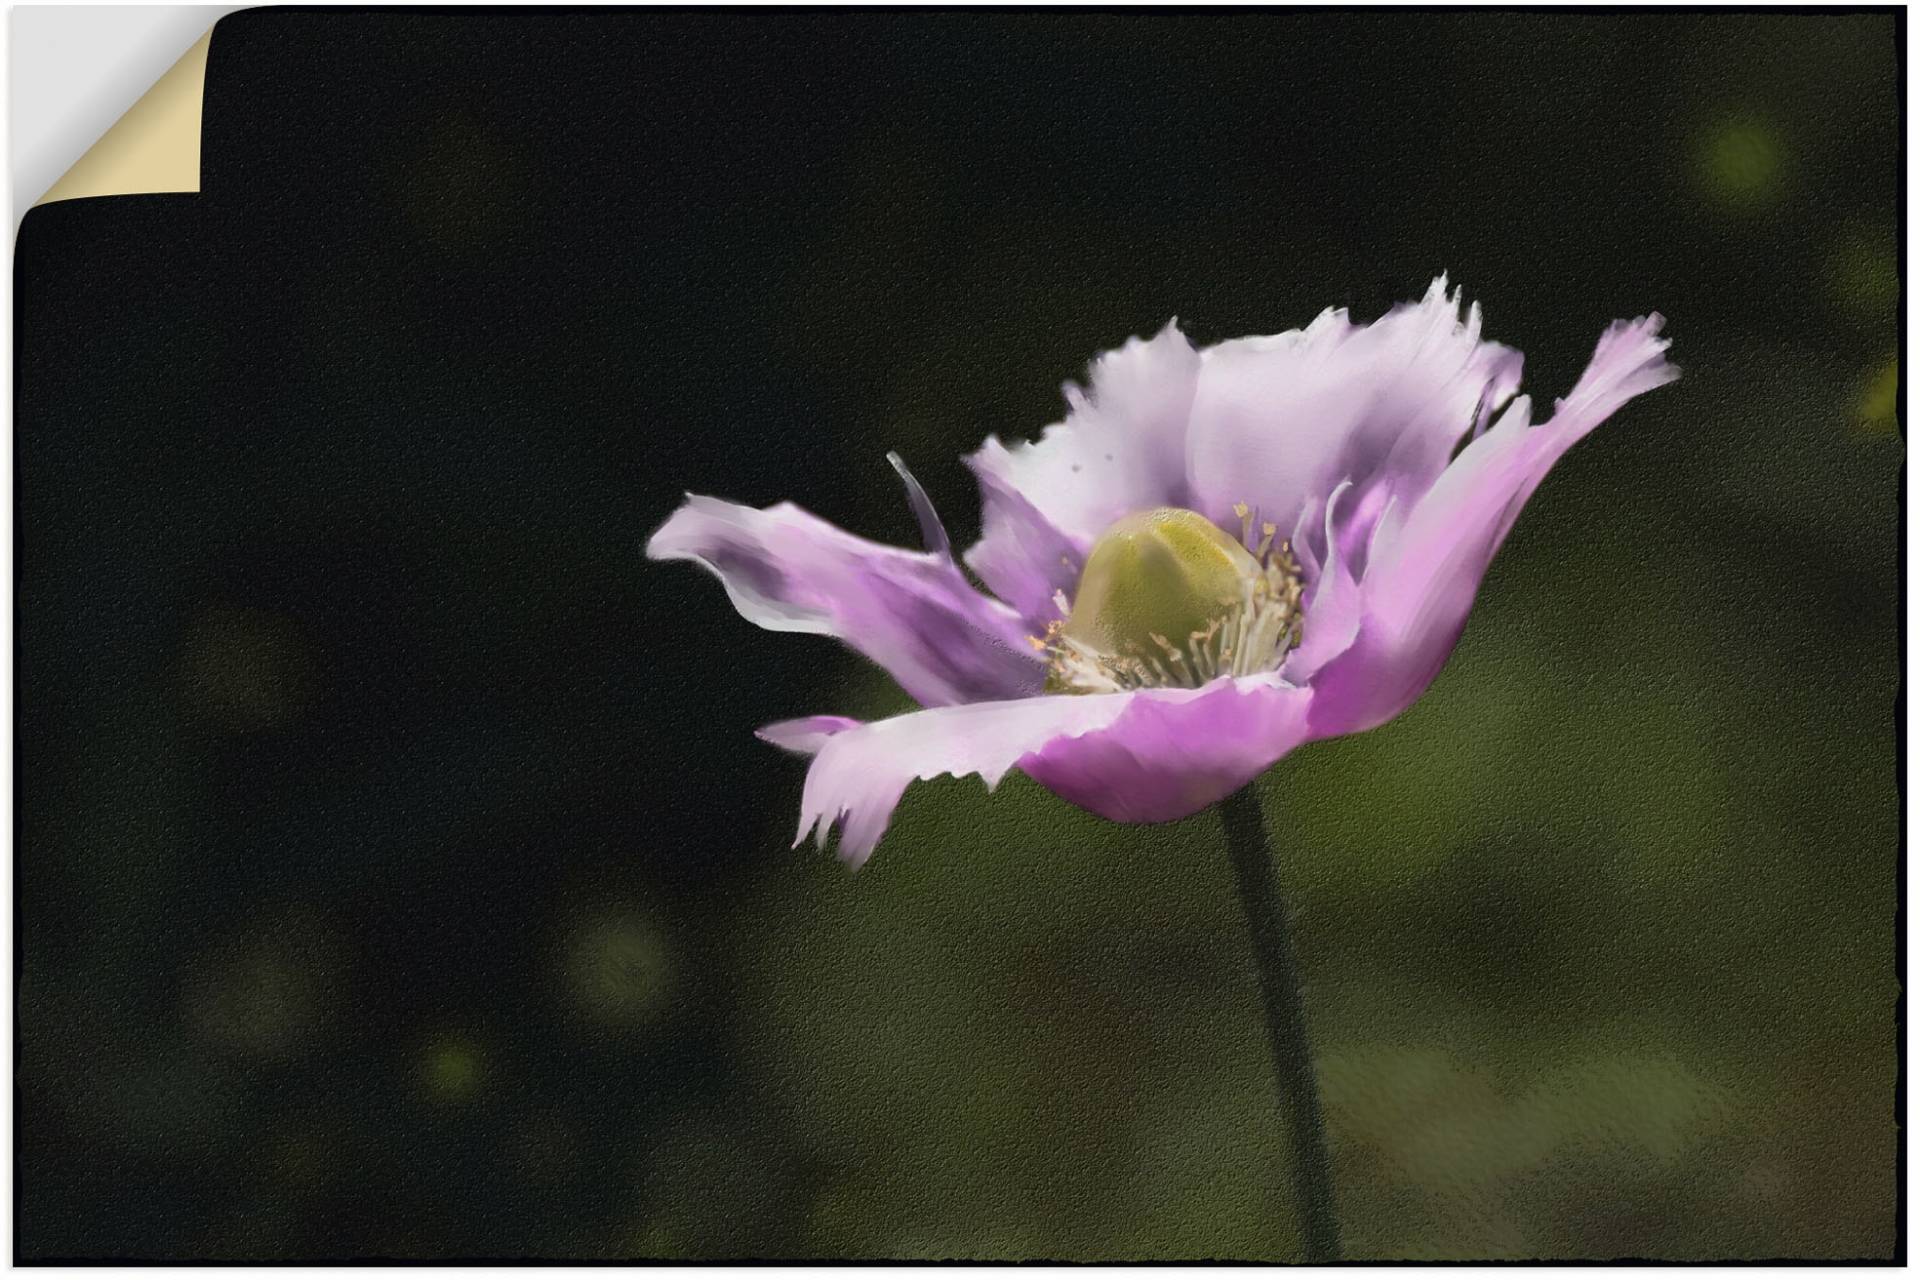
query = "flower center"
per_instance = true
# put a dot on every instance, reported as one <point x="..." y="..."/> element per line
<point x="1167" y="599"/>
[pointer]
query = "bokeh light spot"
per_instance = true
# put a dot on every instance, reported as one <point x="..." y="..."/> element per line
<point x="619" y="969"/>
<point x="245" y="670"/>
<point x="1880" y="407"/>
<point x="269" y="995"/>
<point x="452" y="1069"/>
<point x="1743" y="164"/>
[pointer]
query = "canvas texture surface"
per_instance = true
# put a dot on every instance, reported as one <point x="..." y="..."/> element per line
<point x="398" y="872"/>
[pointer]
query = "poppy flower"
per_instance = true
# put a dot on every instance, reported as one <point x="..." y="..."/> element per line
<point x="1217" y="556"/>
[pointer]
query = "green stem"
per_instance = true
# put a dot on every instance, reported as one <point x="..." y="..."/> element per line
<point x="1248" y="848"/>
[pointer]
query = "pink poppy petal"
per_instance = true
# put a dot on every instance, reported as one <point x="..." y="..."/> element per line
<point x="1280" y="420"/>
<point x="1120" y="449"/>
<point x="1148" y="756"/>
<point x="1431" y="554"/>
<point x="913" y="613"/>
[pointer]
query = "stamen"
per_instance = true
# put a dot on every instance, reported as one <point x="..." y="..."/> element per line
<point x="1178" y="658"/>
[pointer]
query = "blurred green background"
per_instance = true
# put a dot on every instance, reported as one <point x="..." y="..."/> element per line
<point x="398" y="875"/>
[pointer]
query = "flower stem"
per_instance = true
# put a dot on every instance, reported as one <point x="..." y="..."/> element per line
<point x="1248" y="848"/>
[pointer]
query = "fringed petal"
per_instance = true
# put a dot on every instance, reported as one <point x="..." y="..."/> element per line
<point x="1279" y="421"/>
<point x="1149" y="756"/>
<point x="1121" y="449"/>
<point x="915" y="614"/>
<point x="1430" y="554"/>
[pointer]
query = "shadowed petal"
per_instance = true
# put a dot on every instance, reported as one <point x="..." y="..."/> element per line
<point x="1332" y="607"/>
<point x="1147" y="756"/>
<point x="1121" y="449"/>
<point x="1173" y="752"/>
<point x="913" y="613"/>
<point x="1279" y="421"/>
<point x="1430" y="555"/>
<point x="1023" y="558"/>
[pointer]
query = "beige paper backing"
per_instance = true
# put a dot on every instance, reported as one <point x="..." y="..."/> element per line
<point x="154" y="147"/>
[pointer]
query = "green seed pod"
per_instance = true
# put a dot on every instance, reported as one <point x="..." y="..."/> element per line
<point x="1166" y="572"/>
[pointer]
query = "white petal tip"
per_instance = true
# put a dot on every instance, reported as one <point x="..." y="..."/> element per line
<point x="933" y="534"/>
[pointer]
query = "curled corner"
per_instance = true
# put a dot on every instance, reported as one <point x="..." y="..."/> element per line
<point x="154" y="147"/>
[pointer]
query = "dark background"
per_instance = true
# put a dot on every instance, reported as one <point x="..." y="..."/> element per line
<point x="398" y="874"/>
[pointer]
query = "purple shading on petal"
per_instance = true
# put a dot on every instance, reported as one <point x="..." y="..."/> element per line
<point x="913" y="613"/>
<point x="1172" y="753"/>
<point x="1149" y="756"/>
<point x="1332" y="616"/>
<point x="859" y="774"/>
<point x="1428" y="562"/>
<point x="1121" y="449"/>
<point x="1278" y="421"/>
